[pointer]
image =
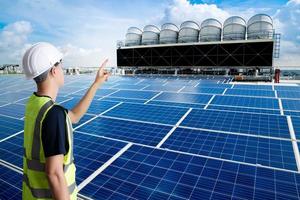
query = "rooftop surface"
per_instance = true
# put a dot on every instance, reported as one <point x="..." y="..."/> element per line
<point x="168" y="138"/>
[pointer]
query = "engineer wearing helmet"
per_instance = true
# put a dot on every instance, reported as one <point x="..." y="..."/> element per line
<point x="48" y="168"/>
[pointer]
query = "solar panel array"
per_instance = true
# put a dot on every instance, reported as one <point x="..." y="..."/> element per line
<point x="168" y="138"/>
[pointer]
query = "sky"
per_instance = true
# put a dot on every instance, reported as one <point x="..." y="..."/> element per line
<point x="87" y="31"/>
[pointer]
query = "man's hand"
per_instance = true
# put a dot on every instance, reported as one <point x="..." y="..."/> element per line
<point x="80" y="109"/>
<point x="102" y="74"/>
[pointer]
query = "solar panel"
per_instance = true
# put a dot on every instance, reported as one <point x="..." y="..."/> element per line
<point x="253" y="102"/>
<point x="149" y="113"/>
<point x="169" y="88"/>
<point x="287" y="88"/>
<point x="10" y="184"/>
<point x="66" y="90"/>
<point x="14" y="96"/>
<point x="203" y="90"/>
<point x="288" y="104"/>
<point x="176" y="104"/>
<point x="124" y="86"/>
<point x="9" y="126"/>
<point x="183" y="97"/>
<point x="253" y="87"/>
<point x="117" y="99"/>
<point x="244" y="109"/>
<point x="96" y="107"/>
<point x="104" y="92"/>
<point x="296" y="125"/>
<point x="246" y="123"/>
<point x="239" y="147"/>
<point x="83" y="119"/>
<point x="291" y="113"/>
<point x="134" y="94"/>
<point x="257" y="93"/>
<point x="255" y="150"/>
<point x="92" y="152"/>
<point x="147" y="173"/>
<point x="13" y="110"/>
<point x="11" y="150"/>
<point x="288" y="94"/>
<point x="205" y="84"/>
<point x="143" y="133"/>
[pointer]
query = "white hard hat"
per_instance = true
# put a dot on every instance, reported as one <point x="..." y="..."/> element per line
<point x="39" y="58"/>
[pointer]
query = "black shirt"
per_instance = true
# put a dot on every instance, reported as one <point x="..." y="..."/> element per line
<point x="54" y="132"/>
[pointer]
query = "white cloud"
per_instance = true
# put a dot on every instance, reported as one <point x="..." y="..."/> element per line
<point x="182" y="10"/>
<point x="286" y="21"/>
<point x="80" y="57"/>
<point x="14" y="41"/>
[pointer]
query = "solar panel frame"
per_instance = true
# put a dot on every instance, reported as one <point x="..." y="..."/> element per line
<point x="136" y="132"/>
<point x="148" y="113"/>
<point x="10" y="184"/>
<point x="147" y="173"/>
<point x="251" y="102"/>
<point x="236" y="122"/>
<point x="254" y="150"/>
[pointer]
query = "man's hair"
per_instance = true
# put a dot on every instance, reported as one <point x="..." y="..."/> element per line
<point x="42" y="77"/>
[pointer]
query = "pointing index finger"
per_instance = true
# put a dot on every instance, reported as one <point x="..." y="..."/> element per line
<point x="104" y="63"/>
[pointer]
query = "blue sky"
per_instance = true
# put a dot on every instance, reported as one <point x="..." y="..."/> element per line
<point x="87" y="31"/>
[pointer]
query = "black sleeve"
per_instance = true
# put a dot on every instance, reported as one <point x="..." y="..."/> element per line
<point x="54" y="133"/>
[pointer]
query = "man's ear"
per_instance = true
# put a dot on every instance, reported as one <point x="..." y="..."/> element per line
<point x="53" y="71"/>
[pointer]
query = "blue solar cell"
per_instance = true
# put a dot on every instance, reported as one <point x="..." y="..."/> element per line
<point x="67" y="90"/>
<point x="247" y="123"/>
<point x="184" y="97"/>
<point x="13" y="110"/>
<point x="129" y="86"/>
<point x="92" y="152"/>
<point x="146" y="173"/>
<point x="9" y="126"/>
<point x="288" y="104"/>
<point x="253" y="87"/>
<point x="203" y="90"/>
<point x="10" y="184"/>
<point x="96" y="107"/>
<point x="83" y="119"/>
<point x="296" y="125"/>
<point x="168" y="88"/>
<point x="287" y="88"/>
<point x="134" y="94"/>
<point x="288" y="94"/>
<point x="11" y="150"/>
<point x="257" y="93"/>
<point x="89" y="152"/>
<point x="175" y="104"/>
<point x="205" y="84"/>
<point x="14" y="96"/>
<point x="117" y="99"/>
<point x="255" y="150"/>
<point x="143" y="133"/>
<point x="291" y="113"/>
<point x="149" y="113"/>
<point x="253" y="102"/>
<point x="242" y="109"/>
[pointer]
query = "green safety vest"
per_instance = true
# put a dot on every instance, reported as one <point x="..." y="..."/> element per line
<point x="35" y="182"/>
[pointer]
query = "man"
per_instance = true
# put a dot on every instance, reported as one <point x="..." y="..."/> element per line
<point x="49" y="171"/>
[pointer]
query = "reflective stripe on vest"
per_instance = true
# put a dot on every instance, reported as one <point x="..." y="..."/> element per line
<point x="38" y="166"/>
<point x="35" y="161"/>
<point x="44" y="193"/>
<point x="35" y="151"/>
